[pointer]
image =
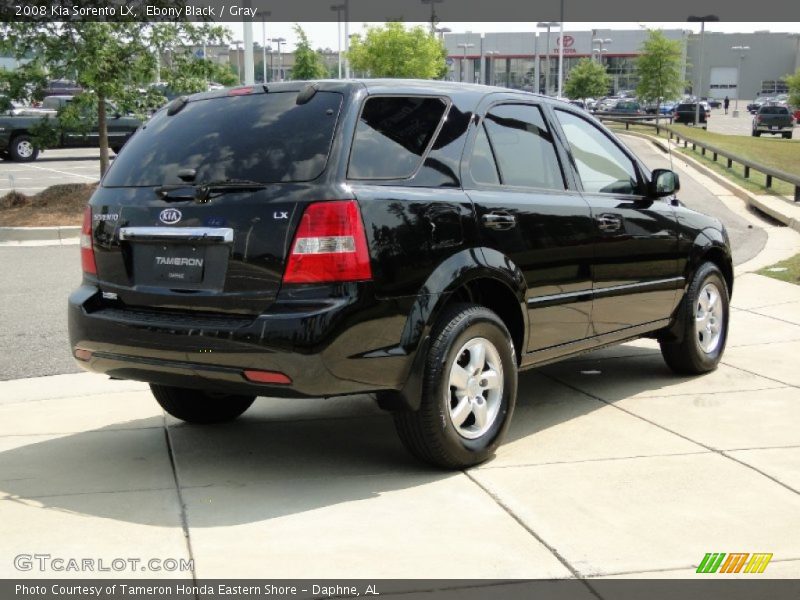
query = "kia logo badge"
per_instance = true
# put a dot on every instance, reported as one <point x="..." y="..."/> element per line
<point x="170" y="216"/>
<point x="568" y="41"/>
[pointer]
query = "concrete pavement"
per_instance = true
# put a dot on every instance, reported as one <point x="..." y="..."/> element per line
<point x="612" y="466"/>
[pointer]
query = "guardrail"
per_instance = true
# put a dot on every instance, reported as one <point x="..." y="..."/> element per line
<point x="768" y="172"/>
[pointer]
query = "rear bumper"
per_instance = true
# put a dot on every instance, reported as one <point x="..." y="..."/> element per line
<point x="778" y="129"/>
<point x="346" y="344"/>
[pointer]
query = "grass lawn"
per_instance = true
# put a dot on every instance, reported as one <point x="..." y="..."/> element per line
<point x="773" y="152"/>
<point x="787" y="270"/>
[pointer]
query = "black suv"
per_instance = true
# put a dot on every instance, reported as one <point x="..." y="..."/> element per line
<point x="685" y="113"/>
<point x="420" y="241"/>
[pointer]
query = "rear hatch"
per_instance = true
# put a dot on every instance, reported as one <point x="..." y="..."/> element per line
<point x="199" y="210"/>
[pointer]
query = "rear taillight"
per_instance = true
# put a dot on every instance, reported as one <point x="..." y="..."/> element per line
<point x="329" y="245"/>
<point x="759" y="119"/>
<point x="87" y="247"/>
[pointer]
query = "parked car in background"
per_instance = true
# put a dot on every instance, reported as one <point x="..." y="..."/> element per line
<point x="607" y="103"/>
<point x="16" y="132"/>
<point x="712" y="102"/>
<point x="684" y="113"/>
<point x="578" y="103"/>
<point x="623" y="108"/>
<point x="758" y="103"/>
<point x="62" y="87"/>
<point x="420" y="241"/>
<point x="775" y="119"/>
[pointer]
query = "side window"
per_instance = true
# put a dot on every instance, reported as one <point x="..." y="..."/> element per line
<point x="482" y="166"/>
<point x="602" y="165"/>
<point x="392" y="135"/>
<point x="523" y="147"/>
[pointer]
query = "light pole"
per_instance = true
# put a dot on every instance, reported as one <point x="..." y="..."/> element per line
<point x="433" y="4"/>
<point x="238" y="43"/>
<point x="741" y="50"/>
<point x="464" y="46"/>
<point x="346" y="38"/>
<point x="601" y="42"/>
<point x="561" y="52"/>
<point x="703" y="19"/>
<point x="547" y="25"/>
<point x="279" y="41"/>
<point x="441" y="31"/>
<point x="338" y="8"/>
<point x="489" y="56"/>
<point x="264" y="43"/>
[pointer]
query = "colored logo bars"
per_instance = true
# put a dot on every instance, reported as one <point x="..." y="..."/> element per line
<point x="719" y="562"/>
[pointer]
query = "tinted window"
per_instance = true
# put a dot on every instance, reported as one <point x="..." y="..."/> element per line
<point x="261" y="137"/>
<point x="601" y="164"/>
<point x="774" y="110"/>
<point x="523" y="147"/>
<point x="482" y="166"/>
<point x="392" y="135"/>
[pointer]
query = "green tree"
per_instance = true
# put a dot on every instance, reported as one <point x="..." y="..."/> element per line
<point x="111" y="61"/>
<point x="793" y="81"/>
<point x="394" y="51"/>
<point x="307" y="62"/>
<point x="659" y="69"/>
<point x="587" y="79"/>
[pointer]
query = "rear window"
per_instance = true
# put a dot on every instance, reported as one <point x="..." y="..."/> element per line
<point x="267" y="138"/>
<point x="774" y="110"/>
<point x="392" y="135"/>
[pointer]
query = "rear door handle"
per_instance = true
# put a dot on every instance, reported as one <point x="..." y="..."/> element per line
<point x="608" y="223"/>
<point x="498" y="220"/>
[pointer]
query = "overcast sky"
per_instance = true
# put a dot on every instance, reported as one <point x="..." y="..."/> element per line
<point x="324" y="35"/>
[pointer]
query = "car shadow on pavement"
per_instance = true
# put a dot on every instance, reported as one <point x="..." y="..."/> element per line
<point x="271" y="463"/>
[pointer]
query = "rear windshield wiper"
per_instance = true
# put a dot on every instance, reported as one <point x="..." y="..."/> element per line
<point x="175" y="193"/>
<point x="207" y="189"/>
<point x="202" y="192"/>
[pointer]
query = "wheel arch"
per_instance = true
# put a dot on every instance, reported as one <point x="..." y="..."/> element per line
<point x="710" y="245"/>
<point x="476" y="275"/>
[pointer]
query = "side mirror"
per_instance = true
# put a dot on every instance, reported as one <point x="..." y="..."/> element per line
<point x="663" y="183"/>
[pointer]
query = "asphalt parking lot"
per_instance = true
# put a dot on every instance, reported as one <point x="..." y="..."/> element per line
<point x="719" y="122"/>
<point x="75" y="165"/>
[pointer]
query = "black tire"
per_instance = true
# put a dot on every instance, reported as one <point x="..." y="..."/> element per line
<point x="688" y="357"/>
<point x="116" y="149"/>
<point x="22" y="149"/>
<point x="429" y="433"/>
<point x="787" y="135"/>
<point x="756" y="133"/>
<point x="195" y="406"/>
<point x="5" y="156"/>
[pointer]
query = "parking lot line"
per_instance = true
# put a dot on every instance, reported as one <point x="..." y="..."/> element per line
<point x="63" y="172"/>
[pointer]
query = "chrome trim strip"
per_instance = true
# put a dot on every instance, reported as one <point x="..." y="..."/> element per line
<point x="590" y="294"/>
<point x="209" y="234"/>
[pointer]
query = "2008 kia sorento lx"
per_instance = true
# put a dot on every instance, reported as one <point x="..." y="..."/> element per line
<point x="421" y="241"/>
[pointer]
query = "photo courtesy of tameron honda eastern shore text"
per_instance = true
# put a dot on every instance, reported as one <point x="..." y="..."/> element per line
<point x="419" y="241"/>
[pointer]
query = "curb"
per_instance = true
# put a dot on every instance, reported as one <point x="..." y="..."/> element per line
<point x="60" y="233"/>
<point x="769" y="208"/>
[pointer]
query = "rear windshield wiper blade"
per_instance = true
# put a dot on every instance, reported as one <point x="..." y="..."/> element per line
<point x="174" y="193"/>
<point x="207" y="188"/>
<point x="202" y="192"/>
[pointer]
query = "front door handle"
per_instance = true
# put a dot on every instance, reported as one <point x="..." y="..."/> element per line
<point x="498" y="220"/>
<point x="609" y="223"/>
